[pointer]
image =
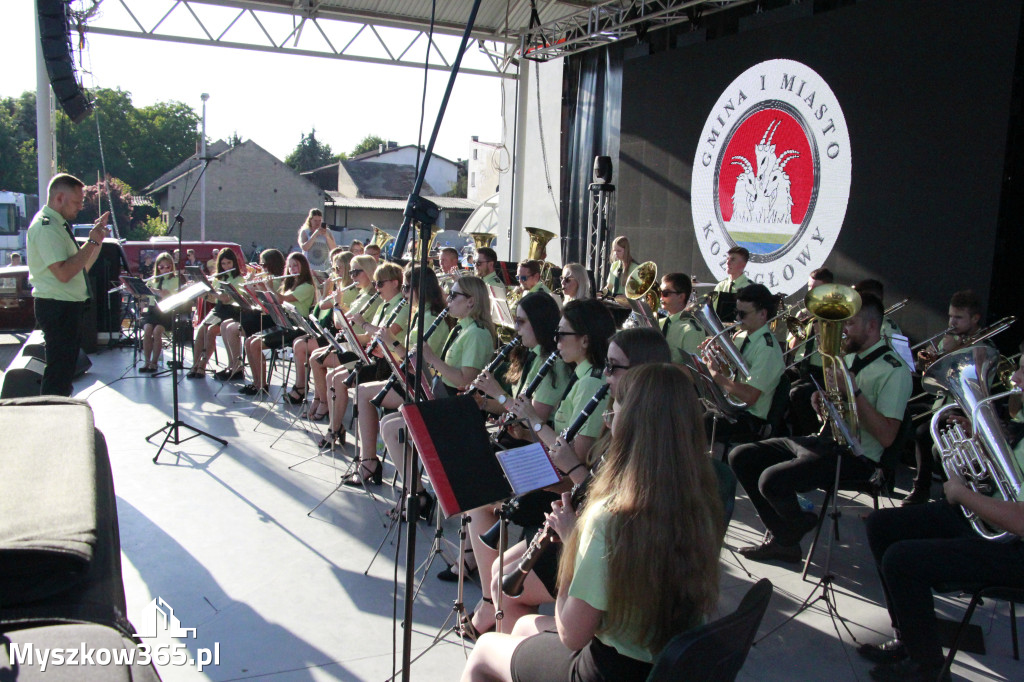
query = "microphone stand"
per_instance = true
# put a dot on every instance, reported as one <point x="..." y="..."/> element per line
<point x="423" y="213"/>
<point x="173" y="427"/>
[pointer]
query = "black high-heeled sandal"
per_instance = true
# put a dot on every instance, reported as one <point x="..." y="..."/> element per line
<point x="467" y="630"/>
<point x="296" y="399"/>
<point x="374" y="476"/>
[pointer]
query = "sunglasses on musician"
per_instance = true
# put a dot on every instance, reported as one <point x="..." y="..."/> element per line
<point x="523" y="278"/>
<point x="381" y="282"/>
<point x="355" y="273"/>
<point x="452" y="295"/>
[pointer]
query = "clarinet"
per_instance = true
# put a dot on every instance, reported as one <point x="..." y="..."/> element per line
<point x="528" y="392"/>
<point x="512" y="583"/>
<point x="569" y="433"/>
<point x="378" y="399"/>
<point x="498" y="358"/>
<point x="350" y="380"/>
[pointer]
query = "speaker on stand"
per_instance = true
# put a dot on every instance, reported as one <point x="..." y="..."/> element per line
<point x="55" y="37"/>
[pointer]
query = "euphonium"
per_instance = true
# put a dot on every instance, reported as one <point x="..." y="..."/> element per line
<point x="538" y="251"/>
<point x="381" y="238"/>
<point x="642" y="286"/>
<point x="983" y="461"/>
<point x="482" y="239"/>
<point x="720" y="348"/>
<point x="832" y="305"/>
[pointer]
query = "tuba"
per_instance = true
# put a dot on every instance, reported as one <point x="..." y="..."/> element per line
<point x="482" y="239"/>
<point x="538" y="251"/>
<point x="832" y="305"/>
<point x="644" y="295"/>
<point x="983" y="461"/>
<point x="720" y="348"/>
<point x="381" y="238"/>
<point x="434" y="229"/>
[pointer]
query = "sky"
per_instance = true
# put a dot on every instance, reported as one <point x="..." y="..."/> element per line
<point x="272" y="99"/>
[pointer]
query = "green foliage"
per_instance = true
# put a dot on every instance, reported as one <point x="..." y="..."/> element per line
<point x="138" y="144"/>
<point x="142" y="230"/>
<point x="370" y="143"/>
<point x="310" y="153"/>
<point x="461" y="182"/>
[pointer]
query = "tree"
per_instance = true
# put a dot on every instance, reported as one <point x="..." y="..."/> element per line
<point x="310" y="153"/>
<point x="370" y="143"/>
<point x="115" y="193"/>
<point x="17" y="145"/>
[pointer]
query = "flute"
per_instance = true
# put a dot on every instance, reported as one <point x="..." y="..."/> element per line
<point x="378" y="399"/>
<point x="331" y="295"/>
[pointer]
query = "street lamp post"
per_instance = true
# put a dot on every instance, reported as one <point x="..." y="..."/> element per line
<point x="202" y="181"/>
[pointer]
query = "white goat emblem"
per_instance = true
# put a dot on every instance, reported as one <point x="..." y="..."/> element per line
<point x="763" y="195"/>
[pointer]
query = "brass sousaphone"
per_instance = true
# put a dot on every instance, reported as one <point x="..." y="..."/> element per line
<point x="644" y="294"/>
<point x="482" y="239"/>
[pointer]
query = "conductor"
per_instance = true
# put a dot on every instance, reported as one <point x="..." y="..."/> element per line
<point x="57" y="268"/>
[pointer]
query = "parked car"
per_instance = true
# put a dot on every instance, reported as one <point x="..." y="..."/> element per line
<point x="142" y="255"/>
<point x="17" y="311"/>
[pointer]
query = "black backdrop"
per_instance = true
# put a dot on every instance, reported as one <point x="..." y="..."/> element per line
<point x="926" y="89"/>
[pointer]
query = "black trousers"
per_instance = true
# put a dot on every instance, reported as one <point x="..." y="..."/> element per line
<point x="775" y="470"/>
<point x="922" y="547"/>
<point x="61" y="323"/>
<point x="803" y="420"/>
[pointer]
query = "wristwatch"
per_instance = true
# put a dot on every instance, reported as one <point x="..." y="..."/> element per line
<point x="92" y="241"/>
<point x="502" y="399"/>
<point x="537" y="427"/>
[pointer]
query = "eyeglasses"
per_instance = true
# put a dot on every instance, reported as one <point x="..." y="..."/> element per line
<point x="559" y="335"/>
<point x="669" y="292"/>
<point x="740" y="314"/>
<point x="611" y="368"/>
<point x="607" y="416"/>
<point x="381" y="282"/>
<point x="451" y="296"/>
<point x="355" y="273"/>
<point x="566" y="279"/>
<point x="523" y="278"/>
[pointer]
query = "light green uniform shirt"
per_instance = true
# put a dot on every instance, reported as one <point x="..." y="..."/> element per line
<point x="807" y="348"/>
<point x="732" y="285"/>
<point x="764" y="358"/>
<point x="304" y="295"/>
<point x="436" y="340"/>
<point x="473" y="347"/>
<point x="886" y="383"/>
<point x="1018" y="451"/>
<point x="616" y="283"/>
<point x="357" y="304"/>
<point x="384" y="312"/>
<point x="889" y="327"/>
<point x="579" y="395"/>
<point x="48" y="243"/>
<point x="683" y="334"/>
<point x="493" y="280"/>
<point x="551" y="387"/>
<point x="347" y="297"/>
<point x="590" y="583"/>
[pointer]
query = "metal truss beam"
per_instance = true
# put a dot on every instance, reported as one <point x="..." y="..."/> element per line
<point x="609" y="22"/>
<point x="308" y="16"/>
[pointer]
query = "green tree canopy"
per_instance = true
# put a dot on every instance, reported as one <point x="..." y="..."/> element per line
<point x="311" y="153"/>
<point x="138" y="144"/>
<point x="370" y="143"/>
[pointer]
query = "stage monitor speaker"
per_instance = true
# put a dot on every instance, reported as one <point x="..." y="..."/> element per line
<point x="23" y="378"/>
<point x="55" y="36"/>
<point x="602" y="169"/>
<point x="37" y="350"/>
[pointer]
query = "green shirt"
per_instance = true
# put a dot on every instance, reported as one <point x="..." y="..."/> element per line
<point x="48" y="243"/>
<point x="360" y="301"/>
<point x="493" y="280"/>
<point x="579" y="395"/>
<point x="347" y="297"/>
<point x="732" y="285"/>
<point x="166" y="283"/>
<point x="808" y="347"/>
<point x="764" y="358"/>
<point x="590" y="582"/>
<point x="304" y="295"/>
<point x="683" y="334"/>
<point x="615" y="283"/>
<point x="554" y="383"/>
<point x="436" y="340"/>
<point x="886" y="384"/>
<point x="384" y="312"/>
<point x="473" y="347"/>
<point x="889" y="327"/>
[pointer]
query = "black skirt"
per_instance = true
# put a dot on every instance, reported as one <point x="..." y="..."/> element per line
<point x="157" y="318"/>
<point x="254" y="322"/>
<point x="226" y="311"/>
<point x="278" y="338"/>
<point x="543" y="658"/>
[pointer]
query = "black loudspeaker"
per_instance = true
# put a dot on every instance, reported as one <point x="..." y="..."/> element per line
<point x="55" y="36"/>
<point x="35" y="347"/>
<point x="105" y="275"/>
<point x="23" y="378"/>
<point x="602" y="169"/>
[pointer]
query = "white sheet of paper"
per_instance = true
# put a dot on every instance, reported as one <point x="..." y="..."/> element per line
<point x="528" y="468"/>
<point x="901" y="344"/>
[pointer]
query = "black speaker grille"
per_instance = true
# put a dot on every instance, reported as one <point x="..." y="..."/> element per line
<point x="55" y="36"/>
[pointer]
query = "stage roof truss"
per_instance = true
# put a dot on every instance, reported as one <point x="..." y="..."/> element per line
<point x="368" y="37"/>
<point x="609" y="21"/>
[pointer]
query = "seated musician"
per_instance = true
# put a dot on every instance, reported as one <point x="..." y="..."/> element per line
<point x="964" y="322"/>
<point x="466" y="350"/>
<point x="226" y="270"/>
<point x="623" y="266"/>
<point x="250" y="322"/>
<point x="484" y="263"/>
<point x="803" y="420"/>
<point x="725" y="292"/>
<point x="304" y="346"/>
<point x="362" y="297"/>
<point x="448" y="261"/>
<point x="575" y="283"/>
<point x="773" y="471"/>
<point x="297" y="288"/>
<point x="369" y="421"/>
<point x="387" y="280"/>
<point x="920" y="548"/>
<point x="627" y="349"/>
<point x="157" y="322"/>
<point x="622" y="595"/>
<point x="876" y="288"/>
<point x="530" y="281"/>
<point x="755" y="342"/>
<point x="681" y="331"/>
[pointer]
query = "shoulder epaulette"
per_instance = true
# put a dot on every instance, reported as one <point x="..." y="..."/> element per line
<point x="769" y="340"/>
<point x="45" y="220"/>
<point x="892" y="360"/>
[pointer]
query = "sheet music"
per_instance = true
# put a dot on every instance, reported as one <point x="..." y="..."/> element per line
<point x="528" y="468"/>
<point x="901" y="344"/>
<point x="500" y="312"/>
<point x="186" y="295"/>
